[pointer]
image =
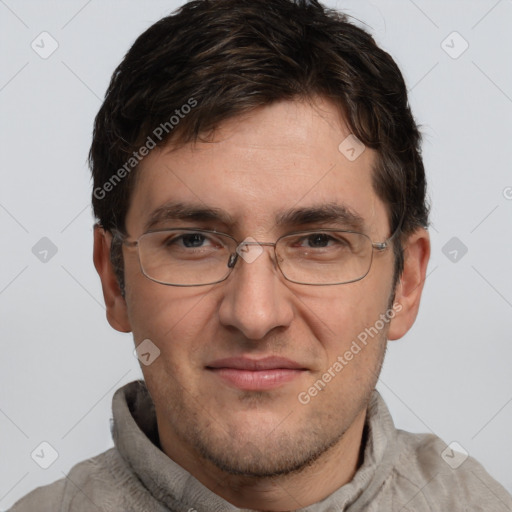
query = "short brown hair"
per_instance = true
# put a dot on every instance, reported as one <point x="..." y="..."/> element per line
<point x="228" y="57"/>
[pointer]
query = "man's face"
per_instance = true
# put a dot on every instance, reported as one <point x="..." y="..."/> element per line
<point x="280" y="158"/>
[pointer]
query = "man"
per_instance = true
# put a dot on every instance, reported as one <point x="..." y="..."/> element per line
<point x="260" y="197"/>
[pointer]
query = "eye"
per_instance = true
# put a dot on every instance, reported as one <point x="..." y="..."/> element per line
<point x="188" y="240"/>
<point x="318" y="240"/>
<point x="322" y="241"/>
<point x="191" y="240"/>
<point x="193" y="243"/>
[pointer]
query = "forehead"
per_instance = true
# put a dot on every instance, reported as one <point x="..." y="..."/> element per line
<point x="289" y="155"/>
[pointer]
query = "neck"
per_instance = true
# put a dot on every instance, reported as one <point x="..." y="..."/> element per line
<point x="333" y="469"/>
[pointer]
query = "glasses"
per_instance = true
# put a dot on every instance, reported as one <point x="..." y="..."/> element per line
<point x="199" y="257"/>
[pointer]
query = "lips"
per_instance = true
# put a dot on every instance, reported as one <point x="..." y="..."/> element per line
<point x="245" y="363"/>
<point x="256" y="374"/>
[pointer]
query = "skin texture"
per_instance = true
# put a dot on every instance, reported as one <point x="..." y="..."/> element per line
<point x="263" y="450"/>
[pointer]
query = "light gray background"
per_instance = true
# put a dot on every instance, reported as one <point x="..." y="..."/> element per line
<point x="60" y="360"/>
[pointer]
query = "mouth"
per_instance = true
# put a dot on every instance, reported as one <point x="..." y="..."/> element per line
<point x="256" y="374"/>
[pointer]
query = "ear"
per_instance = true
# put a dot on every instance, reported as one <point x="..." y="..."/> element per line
<point x="410" y="286"/>
<point x="117" y="314"/>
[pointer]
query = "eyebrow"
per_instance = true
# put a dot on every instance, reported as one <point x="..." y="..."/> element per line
<point x="173" y="210"/>
<point x="332" y="213"/>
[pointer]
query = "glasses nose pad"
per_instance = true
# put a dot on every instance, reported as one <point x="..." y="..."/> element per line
<point x="232" y="260"/>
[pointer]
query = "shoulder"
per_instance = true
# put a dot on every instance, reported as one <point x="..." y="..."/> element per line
<point x="442" y="477"/>
<point x="100" y="483"/>
<point x="48" y="497"/>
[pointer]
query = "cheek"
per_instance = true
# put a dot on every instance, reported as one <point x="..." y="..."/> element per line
<point x="178" y="322"/>
<point x="338" y="314"/>
<point x="171" y="317"/>
<point x="352" y="335"/>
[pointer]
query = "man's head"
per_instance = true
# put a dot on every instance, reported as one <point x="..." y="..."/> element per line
<point x="239" y="117"/>
<point x="213" y="61"/>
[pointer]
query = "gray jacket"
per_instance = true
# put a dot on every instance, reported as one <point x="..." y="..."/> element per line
<point x="401" y="472"/>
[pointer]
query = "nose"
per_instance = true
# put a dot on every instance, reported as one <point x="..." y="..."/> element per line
<point x="256" y="298"/>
